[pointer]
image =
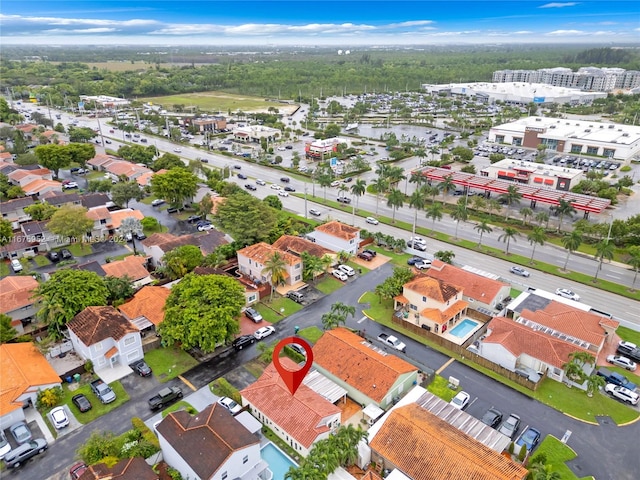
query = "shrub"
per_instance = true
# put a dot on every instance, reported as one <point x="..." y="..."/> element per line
<point x="147" y="434"/>
<point x="223" y="388"/>
<point x="88" y="366"/>
<point x="99" y="447"/>
<point x="174" y="474"/>
<point x="512" y="447"/>
<point x="49" y="398"/>
<point x="522" y="453"/>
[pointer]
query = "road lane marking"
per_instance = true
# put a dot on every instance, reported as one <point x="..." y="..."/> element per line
<point x="612" y="276"/>
<point x="362" y="319"/>
<point x="449" y="362"/>
<point x="187" y="383"/>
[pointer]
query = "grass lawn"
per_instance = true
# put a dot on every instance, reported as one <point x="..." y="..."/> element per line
<point x="514" y="292"/>
<point x="168" y="363"/>
<point x="629" y="335"/>
<point x="440" y="387"/>
<point x="255" y="368"/>
<point x="272" y="312"/>
<point x="121" y="257"/>
<point x="4" y="269"/>
<point x="41" y="260"/>
<point x="311" y="334"/>
<point x="215" y="101"/>
<point x="329" y="284"/>
<point x="181" y="405"/>
<point x="399" y="259"/>
<point x="378" y="311"/>
<point x="77" y="251"/>
<point x="557" y="454"/>
<point x="98" y="408"/>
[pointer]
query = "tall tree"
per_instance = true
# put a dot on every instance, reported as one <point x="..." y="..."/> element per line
<point x="54" y="157"/>
<point x="434" y="211"/>
<point x="7" y="332"/>
<point x="175" y="186"/>
<point x="247" y="219"/>
<point x="129" y="227"/>
<point x="358" y="189"/>
<point x="120" y="289"/>
<point x="181" y="260"/>
<point x="634" y="262"/>
<point x="379" y="185"/>
<point x="459" y="214"/>
<point x="202" y="311"/>
<point x="509" y="234"/>
<point x="537" y="237"/>
<point x="123" y="192"/>
<point x="71" y="221"/>
<point x="275" y="268"/>
<point x="395" y="200"/>
<point x="446" y="185"/>
<point x="511" y="197"/>
<point x="571" y="242"/>
<point x="81" y="153"/>
<point x="483" y="227"/>
<point x="6" y="232"/>
<point x="563" y="209"/>
<point x="40" y="211"/>
<point x="417" y="201"/>
<point x="604" y="249"/>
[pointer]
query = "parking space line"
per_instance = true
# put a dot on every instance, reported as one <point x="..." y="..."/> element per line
<point x="449" y="362"/>
<point x="187" y="383"/>
<point x="362" y="319"/>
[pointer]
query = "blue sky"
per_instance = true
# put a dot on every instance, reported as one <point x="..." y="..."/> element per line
<point x="331" y="22"/>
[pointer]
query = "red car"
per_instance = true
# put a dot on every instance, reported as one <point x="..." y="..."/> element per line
<point x="77" y="470"/>
<point x="365" y="256"/>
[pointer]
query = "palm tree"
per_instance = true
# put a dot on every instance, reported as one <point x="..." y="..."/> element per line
<point x="459" y="213"/>
<point x="418" y="178"/>
<point x="275" y="267"/>
<point x="511" y="196"/>
<point x="594" y="382"/>
<point x="574" y="372"/>
<point x="479" y="202"/>
<point x="395" y="200"/>
<point x="604" y="249"/>
<point x="417" y="201"/>
<point x="447" y="185"/>
<point x="571" y="242"/>
<point x="420" y="153"/>
<point x="435" y="212"/>
<point x="324" y="180"/>
<point x="358" y="189"/>
<point x="537" y="237"/>
<point x="509" y="233"/>
<point x="483" y="227"/>
<point x="445" y="256"/>
<point x="634" y="262"/>
<point x="395" y="175"/>
<point x="312" y="266"/>
<point x="563" y="208"/>
<point x="492" y="205"/>
<point x="379" y="186"/>
<point x="543" y="217"/>
<point x="526" y="212"/>
<point x="130" y="226"/>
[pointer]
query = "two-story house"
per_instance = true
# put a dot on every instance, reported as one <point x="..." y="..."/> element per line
<point x="13" y="210"/>
<point x="22" y="177"/>
<point x="430" y="303"/>
<point x="107" y="338"/>
<point x="212" y="445"/>
<point x="252" y="260"/>
<point x="133" y="267"/>
<point x="102" y="223"/>
<point x="17" y="300"/>
<point x="158" y="244"/>
<point x="337" y="237"/>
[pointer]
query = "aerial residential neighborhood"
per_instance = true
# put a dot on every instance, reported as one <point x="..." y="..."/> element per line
<point x="438" y="239"/>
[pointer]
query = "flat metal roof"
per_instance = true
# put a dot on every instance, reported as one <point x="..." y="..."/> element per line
<point x="324" y="387"/>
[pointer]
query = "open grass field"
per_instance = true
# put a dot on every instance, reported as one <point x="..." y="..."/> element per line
<point x="218" y="102"/>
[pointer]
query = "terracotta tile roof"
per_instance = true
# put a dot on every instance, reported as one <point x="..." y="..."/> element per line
<point x="16" y="292"/>
<point x="27" y="128"/>
<point x="18" y="175"/>
<point x="433" y="288"/>
<point x="167" y="241"/>
<point x="338" y="229"/>
<point x="520" y="339"/>
<point x="477" y="287"/>
<point x="158" y="239"/>
<point x="111" y="352"/>
<point x="302" y="416"/>
<point x="99" y="213"/>
<point x="94" y="324"/>
<point x="49" y="133"/>
<point x="23" y="367"/>
<point x="401" y="299"/>
<point x="425" y="447"/>
<point x="131" y="266"/>
<point x="128" y="469"/>
<point x="351" y="359"/>
<point x="118" y="215"/>
<point x="101" y="159"/>
<point x="297" y="245"/>
<point x="145" y="179"/>
<point x="125" y="168"/>
<point x="262" y="252"/>
<point x="207" y="440"/>
<point x="148" y="302"/>
<point x="37" y="186"/>
<point x="442" y="316"/>
<point x="566" y="319"/>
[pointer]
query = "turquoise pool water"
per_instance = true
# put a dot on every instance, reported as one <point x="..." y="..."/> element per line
<point x="278" y="461"/>
<point x="463" y="328"/>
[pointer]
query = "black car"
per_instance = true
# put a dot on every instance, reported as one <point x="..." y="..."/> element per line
<point x="347" y="180"/>
<point x="194" y="218"/>
<point x="250" y="186"/>
<point x="492" y="418"/>
<point x="289" y="147"/>
<point x="289" y="189"/>
<point x="242" y="176"/>
<point x="82" y="402"/>
<point x="243" y="341"/>
<point x="172" y="210"/>
<point x="237" y="167"/>
<point x="365" y="256"/>
<point x="413" y="260"/>
<point x="373" y="253"/>
<point x="66" y="254"/>
<point x="139" y="236"/>
<point x="141" y="368"/>
<point x="53" y="256"/>
<point x="285" y="179"/>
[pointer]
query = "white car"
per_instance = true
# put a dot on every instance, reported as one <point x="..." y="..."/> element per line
<point x="281" y="149"/>
<point x="69" y="185"/>
<point x="263" y="332"/>
<point x="5" y="446"/>
<point x="16" y="265"/>
<point x="423" y="264"/>
<point x="177" y="150"/>
<point x="157" y="202"/>
<point x="282" y="193"/>
<point x="372" y="221"/>
<point x="229" y="404"/>
<point x="340" y="275"/>
<point x="629" y="345"/>
<point x="59" y="418"/>
<point x="203" y="227"/>
<point x="274" y="186"/>
<point x="347" y="269"/>
<point x="460" y="401"/>
<point x="623" y="362"/>
<point x="261" y="182"/>
<point x="622" y="393"/>
<point x="566" y="293"/>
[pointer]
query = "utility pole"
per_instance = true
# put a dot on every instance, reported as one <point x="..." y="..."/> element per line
<point x="306" y="212"/>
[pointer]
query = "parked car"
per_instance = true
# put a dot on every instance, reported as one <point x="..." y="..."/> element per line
<point x="82" y="402"/>
<point x="59" y="418"/>
<point x="460" y="401"/>
<point x="157" y="202"/>
<point x="253" y="314"/>
<point x="413" y="260"/>
<point x="372" y="221"/>
<point x="242" y="176"/>
<point x="423" y="264"/>
<point x="24" y="452"/>
<point x="340" y="275"/>
<point x="373" y="253"/>
<point x="417" y="245"/>
<point x="622" y="394"/>
<point x="243" y="341"/>
<point x="282" y="193"/>
<point x="347" y="269"/>
<point x="623" y="362"/>
<point x="261" y="182"/>
<point x="250" y="186"/>
<point x="566" y="293"/>
<point x="348" y="179"/>
<point x="365" y="256"/>
<point x="519" y="271"/>
<point x="141" y="368"/>
<point x="315" y="212"/>
<point x="69" y="186"/>
<point x="66" y="254"/>
<point x="203" y="227"/>
<point x="20" y="432"/>
<point x="5" y="446"/>
<point x="295" y="296"/>
<point x="139" y="236"/>
<point x="493" y="417"/>
<point x="229" y="404"/>
<point x="76" y="471"/>
<point x="629" y="350"/>
<point x="530" y="437"/>
<point x="16" y="266"/>
<point x="510" y="426"/>
<point x="194" y="218"/>
<point x="263" y="332"/>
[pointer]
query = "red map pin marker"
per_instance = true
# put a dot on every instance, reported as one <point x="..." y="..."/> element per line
<point x="292" y="379"/>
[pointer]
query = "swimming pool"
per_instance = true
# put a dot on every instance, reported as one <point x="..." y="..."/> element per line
<point x="278" y="461"/>
<point x="463" y="328"/>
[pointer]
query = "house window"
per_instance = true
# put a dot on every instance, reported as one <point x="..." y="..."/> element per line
<point x="298" y="266"/>
<point x="103" y="222"/>
<point x="224" y="476"/>
<point x="98" y="346"/>
<point x="351" y="241"/>
<point x="251" y="298"/>
<point x="424" y="299"/>
<point x="413" y="307"/>
<point x="245" y="459"/>
<point x="130" y="340"/>
<point x="297" y="278"/>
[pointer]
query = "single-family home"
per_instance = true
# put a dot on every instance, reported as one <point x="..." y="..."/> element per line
<point x="106" y="337"/>
<point x="58" y="199"/>
<point x="482" y="292"/>
<point x="92" y="200"/>
<point x="127" y="469"/>
<point x="252" y="260"/>
<point x="118" y="215"/>
<point x="336" y="236"/>
<point x="297" y="245"/>
<point x="24" y="177"/>
<point x="430" y="303"/>
<point x="41" y="187"/>
<point x="101" y="161"/>
<point x="102" y="222"/>
<point x="25" y="372"/>
<point x="20" y="246"/>
<point x="146" y="308"/>
<point x="37" y="231"/>
<point x="424" y="445"/>
<point x="13" y="210"/>
<point x="119" y="169"/>
<point x="158" y="244"/>
<point x="369" y="374"/>
<point x="212" y="445"/>
<point x="144" y="180"/>
<point x="17" y="300"/>
<point x="132" y="267"/>
<point x="301" y="419"/>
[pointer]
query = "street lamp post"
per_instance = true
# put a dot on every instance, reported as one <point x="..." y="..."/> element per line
<point x="306" y="212"/>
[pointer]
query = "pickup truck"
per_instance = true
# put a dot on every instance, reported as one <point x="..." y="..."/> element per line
<point x="103" y="391"/>
<point x="616" y="378"/>
<point x="392" y="341"/>
<point x="164" y="397"/>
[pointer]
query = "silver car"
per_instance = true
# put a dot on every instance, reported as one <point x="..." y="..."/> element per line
<point x="519" y="271"/>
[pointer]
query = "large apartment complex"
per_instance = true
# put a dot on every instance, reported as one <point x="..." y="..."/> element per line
<point x="586" y="78"/>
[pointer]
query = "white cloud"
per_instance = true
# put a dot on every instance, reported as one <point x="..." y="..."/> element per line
<point x="559" y="5"/>
<point x="80" y="30"/>
<point x="560" y="33"/>
<point x="77" y="21"/>
<point x="413" y="23"/>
